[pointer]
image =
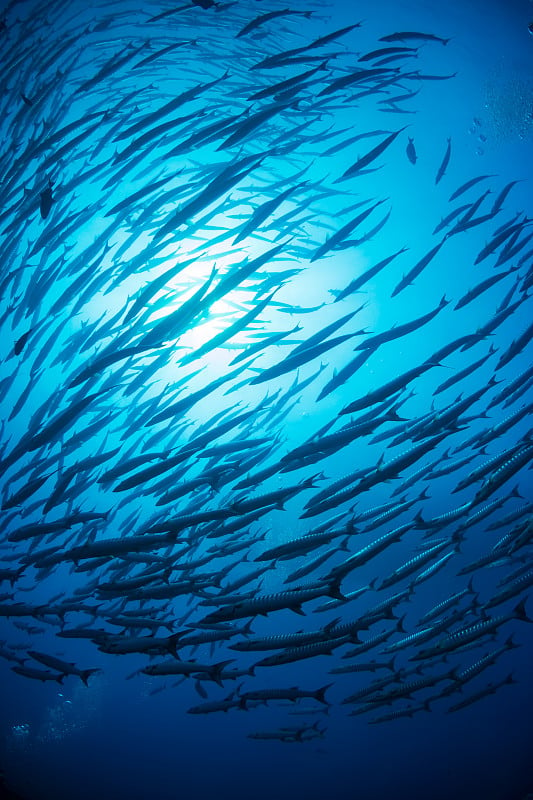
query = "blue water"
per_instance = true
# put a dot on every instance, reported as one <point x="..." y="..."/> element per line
<point x="71" y="272"/>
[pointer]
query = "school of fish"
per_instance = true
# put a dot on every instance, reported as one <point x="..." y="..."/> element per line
<point x="175" y="180"/>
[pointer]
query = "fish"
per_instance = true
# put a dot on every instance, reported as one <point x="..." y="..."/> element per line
<point x="409" y="278"/>
<point x="296" y="359"/>
<point x="337" y="238"/>
<point x="385" y="51"/>
<point x="500" y="198"/>
<point x="358" y="76"/>
<point x="482" y="287"/>
<point x="46" y="200"/>
<point x="264" y="604"/>
<point x="293" y="694"/>
<point x="38" y="674"/>
<point x="445" y="162"/>
<point x="459" y="376"/>
<point x="279" y="59"/>
<point x="498" y="240"/>
<point x="366" y="553"/>
<point x="370" y="273"/>
<point x="264" y="211"/>
<point x="266" y="17"/>
<point x="410" y="150"/>
<point x="399" y="714"/>
<point x="291" y="654"/>
<point x="297" y="547"/>
<point x="216" y="705"/>
<point x="371" y="156"/>
<point x="288" y="735"/>
<point x="468" y="185"/>
<point x="474" y="698"/>
<point x="407" y="688"/>
<point x="502" y="474"/>
<point x="284" y="89"/>
<point x="187" y="668"/>
<point x="414" y="36"/>
<point x="472" y="633"/>
<point x="64" y="667"/>
<point x="403" y="329"/>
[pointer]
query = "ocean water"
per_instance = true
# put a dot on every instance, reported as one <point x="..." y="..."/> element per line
<point x="150" y="154"/>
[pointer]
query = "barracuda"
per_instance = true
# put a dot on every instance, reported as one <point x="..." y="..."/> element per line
<point x="323" y="648"/>
<point x="366" y="553"/>
<point x="264" y="604"/>
<point x="293" y="694"/>
<point x="472" y="633"/>
<point x="474" y="698"/>
<point x="188" y="668"/>
<point x="303" y="544"/>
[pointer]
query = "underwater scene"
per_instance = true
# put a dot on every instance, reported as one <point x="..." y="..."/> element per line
<point x="266" y="394"/>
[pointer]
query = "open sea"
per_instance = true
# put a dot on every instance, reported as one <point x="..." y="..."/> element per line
<point x="266" y="394"/>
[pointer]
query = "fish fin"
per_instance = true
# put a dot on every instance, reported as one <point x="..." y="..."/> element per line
<point x="86" y="674"/>
<point x="320" y="694"/>
<point x="310" y="482"/>
<point x="419" y="520"/>
<point x="217" y="669"/>
<point x="334" y="589"/>
<point x="200" y="689"/>
<point x="457" y="539"/>
<point x="519" y="611"/>
<point x="328" y="628"/>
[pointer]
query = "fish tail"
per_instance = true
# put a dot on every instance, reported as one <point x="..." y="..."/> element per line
<point x="217" y="669"/>
<point x="457" y="539"/>
<point x="519" y="612"/>
<point x="173" y="643"/>
<point x="334" y="589"/>
<point x="320" y="694"/>
<point x="419" y="520"/>
<point x="86" y="674"/>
